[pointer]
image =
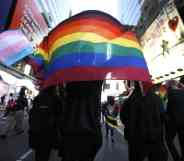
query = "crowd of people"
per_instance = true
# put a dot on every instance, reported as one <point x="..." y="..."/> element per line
<point x="152" y="119"/>
<point x="14" y="113"/>
<point x="68" y="118"/>
<point x="152" y="116"/>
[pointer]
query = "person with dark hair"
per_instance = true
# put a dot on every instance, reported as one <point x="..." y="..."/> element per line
<point x="175" y="120"/>
<point x="10" y="116"/>
<point x="133" y="93"/>
<point x="143" y="125"/>
<point x="43" y="123"/>
<point x="3" y="99"/>
<point x="21" y="103"/>
<point x="110" y="117"/>
<point x="80" y="125"/>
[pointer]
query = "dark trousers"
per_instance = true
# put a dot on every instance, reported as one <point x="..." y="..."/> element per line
<point x="171" y="131"/>
<point x="80" y="147"/>
<point x="180" y="132"/>
<point x="103" y="118"/>
<point x="154" y="152"/>
<point x="42" y="154"/>
<point x="109" y="129"/>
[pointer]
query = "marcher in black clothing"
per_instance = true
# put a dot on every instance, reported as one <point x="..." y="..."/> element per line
<point x="110" y="117"/>
<point x="133" y="94"/>
<point x="143" y="126"/>
<point x="3" y="99"/>
<point x="43" y="123"/>
<point x="21" y="103"/>
<point x="10" y="116"/>
<point x="175" y="121"/>
<point x="80" y="125"/>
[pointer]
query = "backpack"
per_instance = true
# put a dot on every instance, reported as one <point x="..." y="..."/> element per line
<point x="41" y="118"/>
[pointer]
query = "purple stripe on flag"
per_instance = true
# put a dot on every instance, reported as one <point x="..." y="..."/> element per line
<point x="16" y="47"/>
<point x="10" y="33"/>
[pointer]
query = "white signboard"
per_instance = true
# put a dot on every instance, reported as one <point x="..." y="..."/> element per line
<point x="163" y="44"/>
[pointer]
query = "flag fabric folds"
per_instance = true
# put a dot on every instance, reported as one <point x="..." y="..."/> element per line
<point x="92" y="46"/>
<point x="14" y="46"/>
<point x="39" y="59"/>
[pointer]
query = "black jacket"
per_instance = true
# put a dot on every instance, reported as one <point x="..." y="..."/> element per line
<point x="21" y="103"/>
<point x="175" y="106"/>
<point x="80" y="125"/>
<point x="142" y="118"/>
<point x="43" y="121"/>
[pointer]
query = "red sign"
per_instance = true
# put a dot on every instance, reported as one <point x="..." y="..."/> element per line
<point x="173" y="23"/>
<point x="27" y="17"/>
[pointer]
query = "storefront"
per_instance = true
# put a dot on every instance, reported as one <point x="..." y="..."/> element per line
<point x="12" y="84"/>
<point x="163" y="45"/>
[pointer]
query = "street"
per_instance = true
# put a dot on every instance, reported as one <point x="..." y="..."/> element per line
<point x="15" y="148"/>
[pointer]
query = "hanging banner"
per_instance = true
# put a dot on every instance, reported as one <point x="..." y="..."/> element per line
<point x="27" y="17"/>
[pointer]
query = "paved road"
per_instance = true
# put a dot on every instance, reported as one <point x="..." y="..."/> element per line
<point x="15" y="148"/>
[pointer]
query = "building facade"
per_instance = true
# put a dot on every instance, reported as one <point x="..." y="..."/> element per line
<point x="149" y="11"/>
<point x="131" y="11"/>
<point x="163" y="44"/>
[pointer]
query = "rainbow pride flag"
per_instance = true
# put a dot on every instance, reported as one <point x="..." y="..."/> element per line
<point x="37" y="63"/>
<point x="14" y="46"/>
<point x="93" y="46"/>
<point x="39" y="59"/>
<point x="163" y="91"/>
